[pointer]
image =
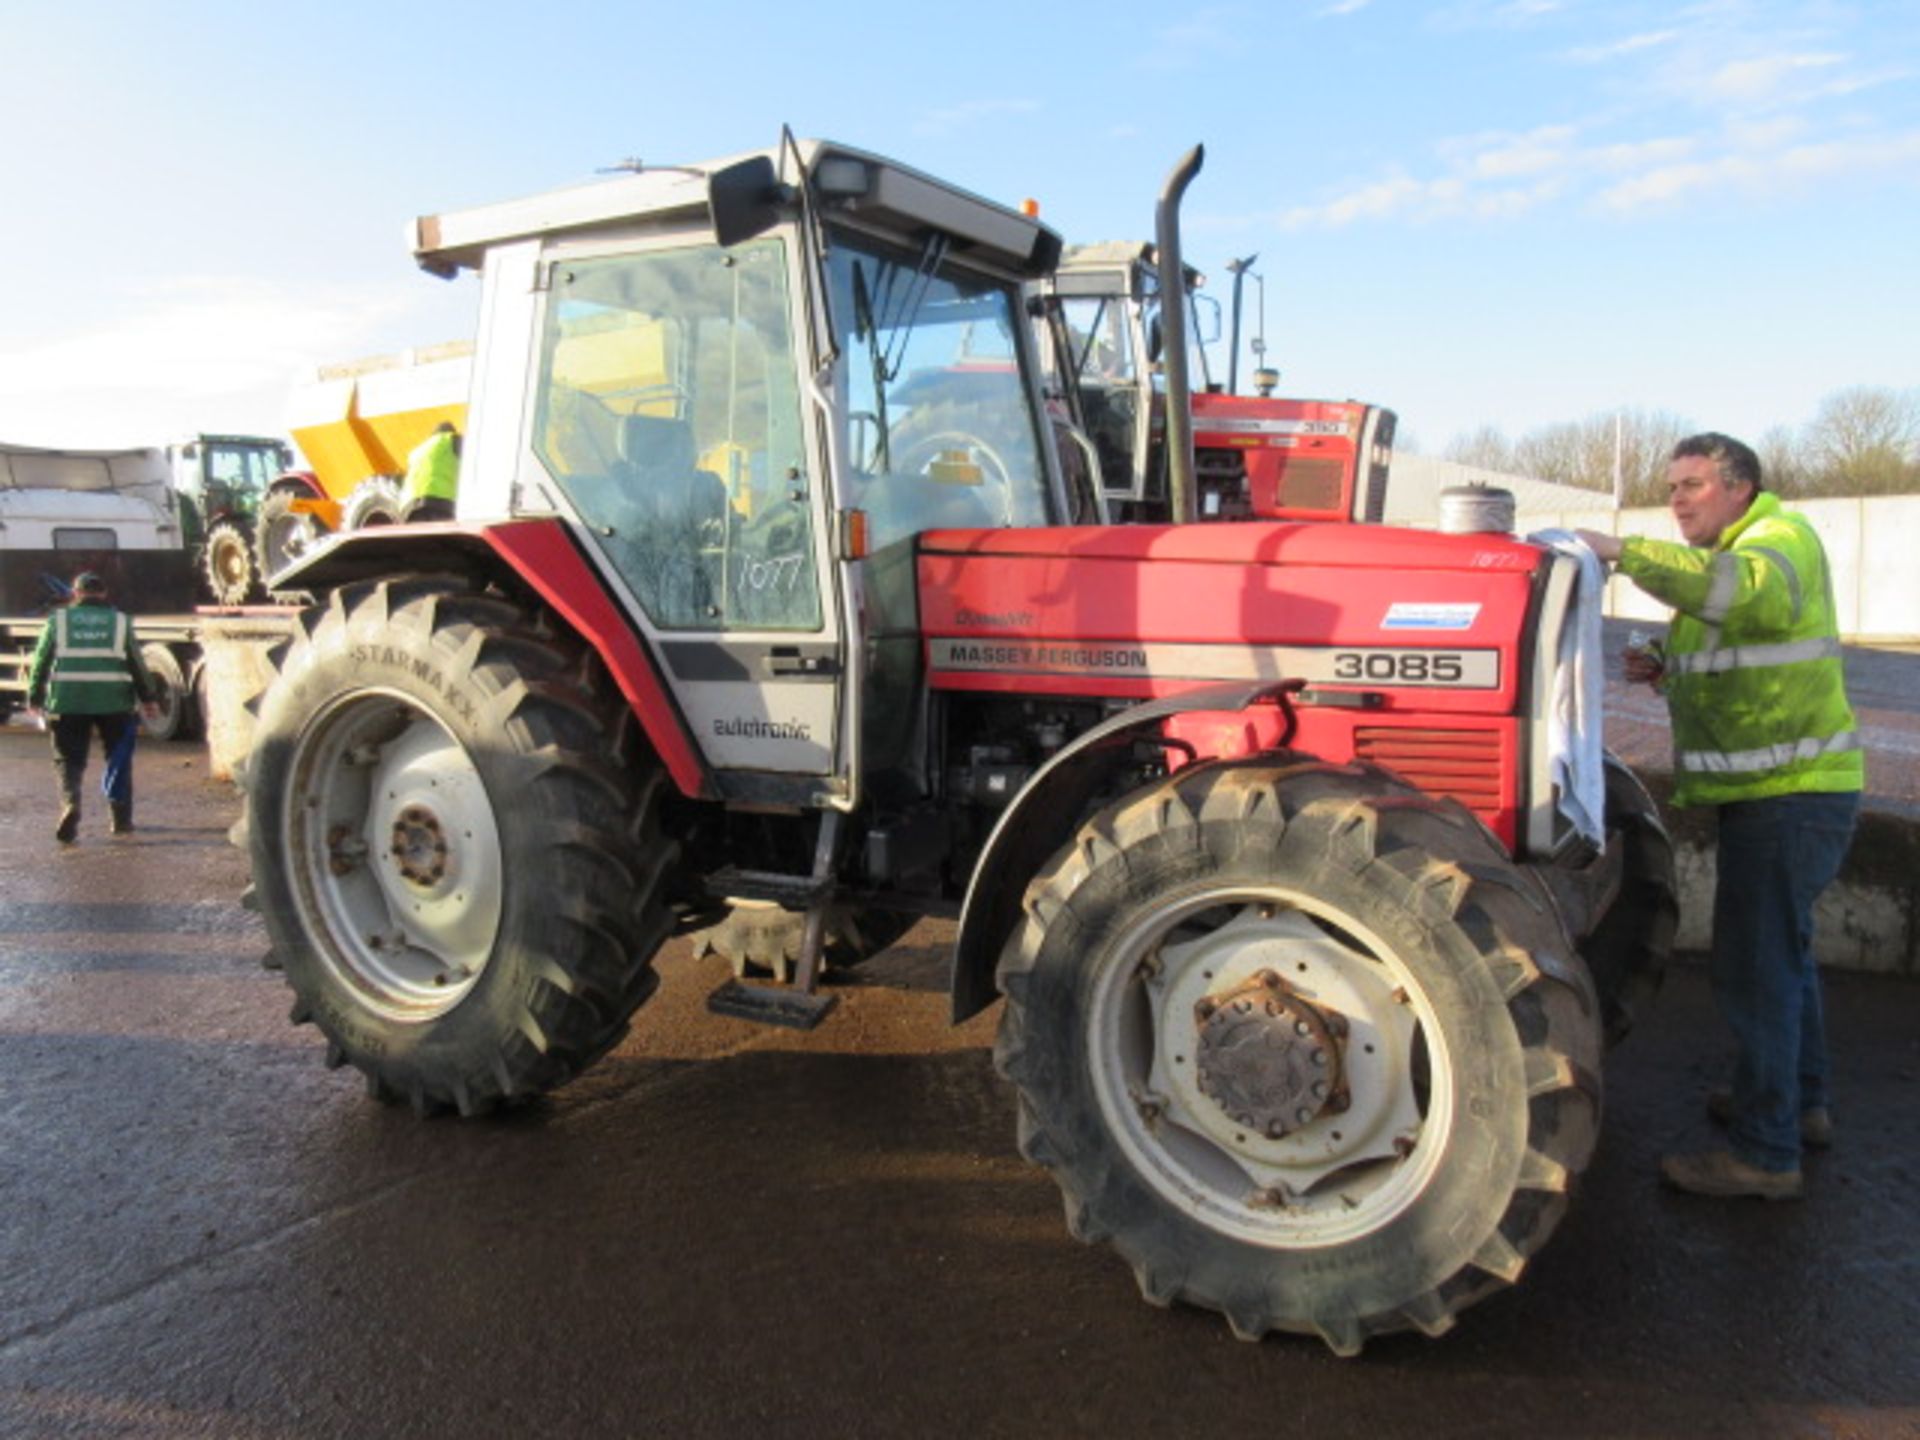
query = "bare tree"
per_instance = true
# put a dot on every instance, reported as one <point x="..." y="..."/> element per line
<point x="1486" y="449"/>
<point x="1865" y="440"/>
<point x="1783" y="461"/>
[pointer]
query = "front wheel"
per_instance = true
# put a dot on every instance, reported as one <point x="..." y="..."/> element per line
<point x="1304" y="1045"/>
<point x="453" y="826"/>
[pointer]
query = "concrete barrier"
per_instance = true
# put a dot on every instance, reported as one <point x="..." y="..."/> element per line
<point x="234" y="651"/>
<point x="1864" y="921"/>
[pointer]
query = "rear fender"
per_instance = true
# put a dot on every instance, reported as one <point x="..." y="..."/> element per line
<point x="1045" y="814"/>
<point x="540" y="555"/>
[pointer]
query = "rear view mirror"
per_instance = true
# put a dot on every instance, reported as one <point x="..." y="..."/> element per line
<point x="746" y="199"/>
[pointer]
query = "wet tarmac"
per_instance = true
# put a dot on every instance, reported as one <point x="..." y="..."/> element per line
<point x="726" y="1230"/>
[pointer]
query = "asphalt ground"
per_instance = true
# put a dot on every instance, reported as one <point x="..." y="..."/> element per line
<point x="724" y="1229"/>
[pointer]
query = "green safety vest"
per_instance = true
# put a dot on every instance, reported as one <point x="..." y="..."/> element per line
<point x="1754" y="680"/>
<point x="433" y="470"/>
<point x="87" y="663"/>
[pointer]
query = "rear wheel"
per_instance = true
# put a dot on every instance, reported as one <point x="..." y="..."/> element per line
<point x="230" y="574"/>
<point x="374" y="501"/>
<point x="1305" y="1046"/>
<point x="176" y="712"/>
<point x="455" y="845"/>
<point x="1629" y="949"/>
<point x="281" y="535"/>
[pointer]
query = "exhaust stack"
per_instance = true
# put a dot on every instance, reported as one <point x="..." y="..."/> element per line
<point x="1173" y="332"/>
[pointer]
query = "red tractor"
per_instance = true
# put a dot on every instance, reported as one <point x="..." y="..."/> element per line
<point x="1255" y="456"/>
<point x="754" y="592"/>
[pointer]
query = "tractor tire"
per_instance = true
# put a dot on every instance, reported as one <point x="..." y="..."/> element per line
<point x="1628" y="951"/>
<point x="453" y="824"/>
<point x="1404" y="1047"/>
<point x="228" y="563"/>
<point x="374" y="501"/>
<point x="177" y="713"/>
<point x="763" y="936"/>
<point x="281" y="535"/>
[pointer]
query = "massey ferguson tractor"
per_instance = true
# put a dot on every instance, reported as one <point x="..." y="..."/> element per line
<point x="760" y="589"/>
<point x="1255" y="456"/>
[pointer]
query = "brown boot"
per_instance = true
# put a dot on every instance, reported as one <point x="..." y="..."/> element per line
<point x="1724" y="1175"/>
<point x="69" y="825"/>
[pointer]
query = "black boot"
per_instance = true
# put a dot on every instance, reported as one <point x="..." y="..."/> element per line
<point x="122" y="820"/>
<point x="69" y="825"/>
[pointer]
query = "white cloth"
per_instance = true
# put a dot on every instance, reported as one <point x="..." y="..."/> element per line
<point x="1576" y="720"/>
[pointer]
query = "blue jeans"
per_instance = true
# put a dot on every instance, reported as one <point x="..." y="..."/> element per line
<point x="1775" y="857"/>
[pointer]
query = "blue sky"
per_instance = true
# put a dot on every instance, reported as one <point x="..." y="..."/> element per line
<point x="1504" y="212"/>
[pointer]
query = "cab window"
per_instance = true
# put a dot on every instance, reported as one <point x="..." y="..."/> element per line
<point x="668" y="412"/>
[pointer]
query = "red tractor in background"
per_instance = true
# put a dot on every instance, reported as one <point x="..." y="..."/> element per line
<point x="1255" y="456"/>
<point x="1256" y="829"/>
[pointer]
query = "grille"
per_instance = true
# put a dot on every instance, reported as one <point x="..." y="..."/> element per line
<point x="1463" y="764"/>
<point x="1311" y="484"/>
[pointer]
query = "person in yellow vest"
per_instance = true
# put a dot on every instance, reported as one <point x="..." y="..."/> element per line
<point x="1762" y="731"/>
<point x="86" y="676"/>
<point x="433" y="475"/>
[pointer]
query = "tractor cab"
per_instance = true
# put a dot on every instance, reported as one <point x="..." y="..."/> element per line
<point x="1103" y="334"/>
<point x="748" y="387"/>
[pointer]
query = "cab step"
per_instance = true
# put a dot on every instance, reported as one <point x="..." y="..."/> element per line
<point x="771" y="1005"/>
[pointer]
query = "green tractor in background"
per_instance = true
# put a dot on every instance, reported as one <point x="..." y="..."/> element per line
<point x="221" y="482"/>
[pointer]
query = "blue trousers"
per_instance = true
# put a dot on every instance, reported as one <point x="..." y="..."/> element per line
<point x="1775" y="857"/>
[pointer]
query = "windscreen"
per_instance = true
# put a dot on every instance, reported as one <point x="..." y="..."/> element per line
<point x="940" y="427"/>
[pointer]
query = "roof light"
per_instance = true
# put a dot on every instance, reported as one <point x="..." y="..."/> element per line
<point x="841" y="175"/>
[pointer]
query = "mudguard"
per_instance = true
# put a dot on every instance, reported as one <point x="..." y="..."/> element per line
<point x="1044" y="815"/>
<point x="543" y="557"/>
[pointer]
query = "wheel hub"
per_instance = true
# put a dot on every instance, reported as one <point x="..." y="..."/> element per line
<point x="420" y="847"/>
<point x="1270" y="1059"/>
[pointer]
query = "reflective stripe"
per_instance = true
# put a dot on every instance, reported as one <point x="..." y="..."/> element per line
<point x="1768" y="757"/>
<point x="1793" y="575"/>
<point x="62" y="650"/>
<point x="1746" y="657"/>
<point x="95" y="677"/>
<point x="1726" y="584"/>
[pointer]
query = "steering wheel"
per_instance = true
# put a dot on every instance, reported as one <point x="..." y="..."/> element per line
<point x="919" y="454"/>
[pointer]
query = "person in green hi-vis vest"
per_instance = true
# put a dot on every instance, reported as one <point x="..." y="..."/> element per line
<point x="86" y="676"/>
<point x="1762" y="731"/>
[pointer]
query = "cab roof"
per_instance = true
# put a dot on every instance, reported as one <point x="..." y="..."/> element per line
<point x="848" y="181"/>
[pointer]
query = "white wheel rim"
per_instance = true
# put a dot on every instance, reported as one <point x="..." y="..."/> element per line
<point x="1342" y="1175"/>
<point x="396" y="851"/>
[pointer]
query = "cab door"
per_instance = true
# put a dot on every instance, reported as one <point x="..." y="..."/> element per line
<point x="668" y="412"/>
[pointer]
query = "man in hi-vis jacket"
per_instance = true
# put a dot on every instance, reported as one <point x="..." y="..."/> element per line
<point x="86" y="675"/>
<point x="1762" y="731"/>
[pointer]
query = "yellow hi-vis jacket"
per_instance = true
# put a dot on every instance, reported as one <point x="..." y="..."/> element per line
<point x="1755" y="684"/>
<point x="433" y="470"/>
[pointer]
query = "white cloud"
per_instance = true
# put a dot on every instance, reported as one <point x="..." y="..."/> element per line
<point x="970" y="113"/>
<point x="1763" y="171"/>
<point x="1631" y="45"/>
<point x="1346" y="7"/>
<point x="194" y="353"/>
<point x="1762" y="79"/>
<point x="1204" y="34"/>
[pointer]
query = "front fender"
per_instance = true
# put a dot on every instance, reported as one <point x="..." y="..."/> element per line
<point x="543" y="557"/>
<point x="1044" y="816"/>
